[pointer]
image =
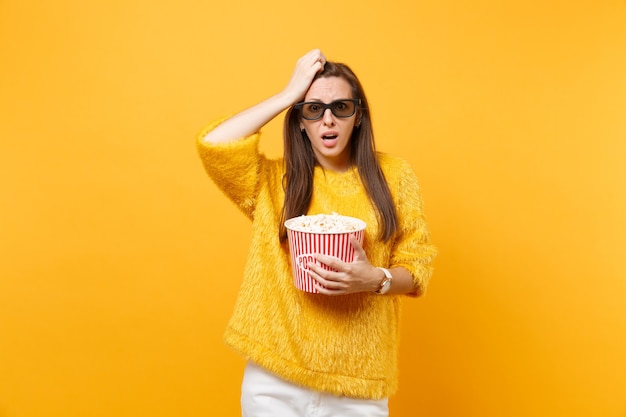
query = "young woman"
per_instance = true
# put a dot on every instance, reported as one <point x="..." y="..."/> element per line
<point x="333" y="353"/>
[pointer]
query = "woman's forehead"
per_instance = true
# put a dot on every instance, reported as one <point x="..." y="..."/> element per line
<point x="327" y="89"/>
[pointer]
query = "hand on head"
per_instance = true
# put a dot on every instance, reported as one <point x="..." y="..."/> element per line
<point x="302" y="77"/>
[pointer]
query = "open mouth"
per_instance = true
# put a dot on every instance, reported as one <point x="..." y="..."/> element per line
<point x="329" y="137"/>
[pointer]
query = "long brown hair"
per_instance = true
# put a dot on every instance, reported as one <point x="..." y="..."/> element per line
<point x="300" y="160"/>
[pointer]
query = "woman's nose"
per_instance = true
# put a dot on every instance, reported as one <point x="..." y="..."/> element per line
<point x="328" y="117"/>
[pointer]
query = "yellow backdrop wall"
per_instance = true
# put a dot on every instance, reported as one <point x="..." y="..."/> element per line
<point x="120" y="261"/>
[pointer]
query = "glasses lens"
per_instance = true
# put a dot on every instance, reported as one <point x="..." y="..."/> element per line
<point x="312" y="111"/>
<point x="342" y="108"/>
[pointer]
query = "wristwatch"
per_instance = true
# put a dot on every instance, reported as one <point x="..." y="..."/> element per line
<point x="385" y="284"/>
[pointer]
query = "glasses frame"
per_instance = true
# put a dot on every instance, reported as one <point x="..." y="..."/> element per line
<point x="355" y="101"/>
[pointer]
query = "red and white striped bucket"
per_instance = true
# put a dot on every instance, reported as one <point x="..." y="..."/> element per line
<point x="303" y="245"/>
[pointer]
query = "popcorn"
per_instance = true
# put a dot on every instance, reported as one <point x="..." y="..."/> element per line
<point x="325" y="223"/>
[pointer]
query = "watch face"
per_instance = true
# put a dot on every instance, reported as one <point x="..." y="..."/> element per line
<point x="384" y="287"/>
<point x="386" y="283"/>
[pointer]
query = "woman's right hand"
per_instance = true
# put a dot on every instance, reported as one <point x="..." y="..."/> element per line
<point x="302" y="77"/>
<point x="252" y="119"/>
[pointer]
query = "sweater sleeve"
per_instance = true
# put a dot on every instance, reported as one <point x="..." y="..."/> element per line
<point x="413" y="249"/>
<point x="233" y="166"/>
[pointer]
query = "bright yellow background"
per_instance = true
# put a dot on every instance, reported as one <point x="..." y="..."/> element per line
<point x="120" y="260"/>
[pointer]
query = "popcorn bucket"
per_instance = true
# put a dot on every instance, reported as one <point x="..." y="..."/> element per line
<point x="325" y="234"/>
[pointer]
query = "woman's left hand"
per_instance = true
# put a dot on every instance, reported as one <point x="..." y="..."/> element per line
<point x="356" y="276"/>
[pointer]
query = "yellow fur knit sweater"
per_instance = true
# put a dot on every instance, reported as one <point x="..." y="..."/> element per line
<point x="344" y="345"/>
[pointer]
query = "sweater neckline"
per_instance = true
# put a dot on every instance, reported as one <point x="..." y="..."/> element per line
<point x="346" y="180"/>
<point x="331" y="173"/>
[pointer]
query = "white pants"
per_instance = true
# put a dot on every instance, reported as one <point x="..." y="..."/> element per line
<point x="263" y="394"/>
